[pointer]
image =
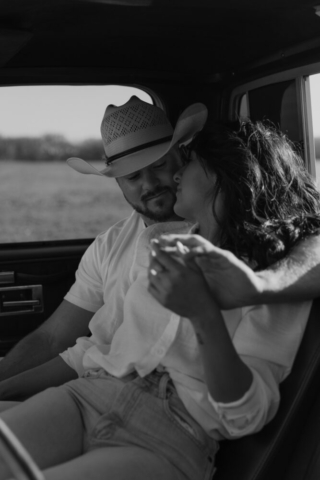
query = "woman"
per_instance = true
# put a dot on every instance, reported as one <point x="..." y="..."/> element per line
<point x="247" y="191"/>
<point x="174" y="381"/>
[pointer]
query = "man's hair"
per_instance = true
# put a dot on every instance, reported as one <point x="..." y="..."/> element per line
<point x="270" y="200"/>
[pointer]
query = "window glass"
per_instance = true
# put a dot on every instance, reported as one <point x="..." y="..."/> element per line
<point x="41" y="197"/>
<point x="277" y="103"/>
<point x="315" y="102"/>
<point x="244" y="111"/>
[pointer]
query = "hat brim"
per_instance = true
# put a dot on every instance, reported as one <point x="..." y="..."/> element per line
<point x="191" y="121"/>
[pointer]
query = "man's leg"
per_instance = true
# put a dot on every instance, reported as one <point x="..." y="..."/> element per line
<point x="49" y="425"/>
<point x="115" y="463"/>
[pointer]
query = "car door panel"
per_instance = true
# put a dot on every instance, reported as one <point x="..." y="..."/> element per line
<point x="33" y="281"/>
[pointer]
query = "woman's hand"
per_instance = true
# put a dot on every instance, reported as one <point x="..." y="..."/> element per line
<point x="179" y="286"/>
<point x="232" y="283"/>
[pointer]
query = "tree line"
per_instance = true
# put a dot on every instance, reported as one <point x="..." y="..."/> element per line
<point x="57" y="147"/>
<point x="48" y="147"/>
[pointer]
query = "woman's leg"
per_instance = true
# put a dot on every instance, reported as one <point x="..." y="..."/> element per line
<point x="115" y="463"/>
<point x="6" y="405"/>
<point x="49" y="426"/>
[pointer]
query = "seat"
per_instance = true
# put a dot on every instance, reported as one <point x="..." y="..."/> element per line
<point x="267" y="454"/>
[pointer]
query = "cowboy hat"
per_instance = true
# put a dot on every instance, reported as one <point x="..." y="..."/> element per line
<point x="137" y="134"/>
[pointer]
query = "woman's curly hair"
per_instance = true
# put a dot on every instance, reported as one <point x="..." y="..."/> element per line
<point x="270" y="200"/>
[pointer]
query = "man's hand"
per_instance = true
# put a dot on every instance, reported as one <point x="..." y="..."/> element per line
<point x="231" y="281"/>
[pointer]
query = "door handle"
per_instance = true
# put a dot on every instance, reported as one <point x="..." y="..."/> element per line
<point x="21" y="303"/>
<point x="21" y="300"/>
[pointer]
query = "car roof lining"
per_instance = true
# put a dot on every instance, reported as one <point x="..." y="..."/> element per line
<point x="202" y="41"/>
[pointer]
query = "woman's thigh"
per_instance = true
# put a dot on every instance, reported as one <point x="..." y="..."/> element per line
<point x="49" y="425"/>
<point x="115" y="463"/>
<point x="7" y="405"/>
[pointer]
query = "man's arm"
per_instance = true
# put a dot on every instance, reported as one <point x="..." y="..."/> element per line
<point x="28" y="383"/>
<point x="294" y="278"/>
<point x="59" y="332"/>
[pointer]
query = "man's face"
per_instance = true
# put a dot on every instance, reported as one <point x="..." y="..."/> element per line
<point x="151" y="191"/>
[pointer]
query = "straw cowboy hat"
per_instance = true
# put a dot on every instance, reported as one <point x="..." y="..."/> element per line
<point x="137" y="134"/>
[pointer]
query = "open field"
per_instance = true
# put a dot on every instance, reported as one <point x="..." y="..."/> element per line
<point x="50" y="201"/>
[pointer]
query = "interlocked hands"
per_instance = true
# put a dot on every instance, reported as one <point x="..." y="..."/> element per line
<point x="193" y="268"/>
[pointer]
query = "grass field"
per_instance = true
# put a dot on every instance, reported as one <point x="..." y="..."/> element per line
<point x="50" y="201"/>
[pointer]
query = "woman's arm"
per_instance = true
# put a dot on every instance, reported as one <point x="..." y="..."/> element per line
<point x="227" y="377"/>
<point x="184" y="291"/>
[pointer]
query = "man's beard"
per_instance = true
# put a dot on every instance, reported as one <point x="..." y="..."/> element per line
<point x="160" y="215"/>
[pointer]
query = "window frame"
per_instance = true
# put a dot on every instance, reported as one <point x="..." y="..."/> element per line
<point x="301" y="76"/>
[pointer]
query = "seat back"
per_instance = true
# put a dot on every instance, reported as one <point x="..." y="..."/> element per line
<point x="266" y="454"/>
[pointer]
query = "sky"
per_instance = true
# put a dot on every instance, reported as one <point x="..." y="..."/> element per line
<point x="315" y="103"/>
<point x="76" y="112"/>
<point x="72" y="111"/>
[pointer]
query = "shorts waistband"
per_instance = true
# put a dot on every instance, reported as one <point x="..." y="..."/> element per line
<point x="158" y="382"/>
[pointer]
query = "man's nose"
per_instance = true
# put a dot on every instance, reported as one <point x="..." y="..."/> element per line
<point x="150" y="180"/>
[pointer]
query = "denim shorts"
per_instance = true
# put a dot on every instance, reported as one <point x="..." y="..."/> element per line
<point x="146" y="413"/>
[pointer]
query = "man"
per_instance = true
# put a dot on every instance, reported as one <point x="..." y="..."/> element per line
<point x="142" y="154"/>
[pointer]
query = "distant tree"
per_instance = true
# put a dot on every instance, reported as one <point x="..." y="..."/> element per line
<point x="48" y="147"/>
<point x="55" y="147"/>
<point x="90" y="150"/>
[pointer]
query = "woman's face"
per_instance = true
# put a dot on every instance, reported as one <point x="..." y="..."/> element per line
<point x="194" y="192"/>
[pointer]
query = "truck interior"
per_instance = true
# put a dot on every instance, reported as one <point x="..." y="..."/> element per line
<point x="248" y="58"/>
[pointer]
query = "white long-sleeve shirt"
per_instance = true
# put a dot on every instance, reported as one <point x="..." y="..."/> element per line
<point x="137" y="333"/>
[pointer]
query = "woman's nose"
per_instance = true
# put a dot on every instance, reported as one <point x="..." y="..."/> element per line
<point x="177" y="175"/>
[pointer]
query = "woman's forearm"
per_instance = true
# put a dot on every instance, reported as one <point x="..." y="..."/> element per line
<point x="28" y="383"/>
<point x="227" y="377"/>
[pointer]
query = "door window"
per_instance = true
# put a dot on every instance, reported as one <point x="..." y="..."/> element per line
<point x="41" y="197"/>
<point x="315" y="102"/>
<point x="278" y="104"/>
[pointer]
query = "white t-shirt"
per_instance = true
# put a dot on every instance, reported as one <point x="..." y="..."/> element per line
<point x="104" y="268"/>
<point x="104" y="275"/>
